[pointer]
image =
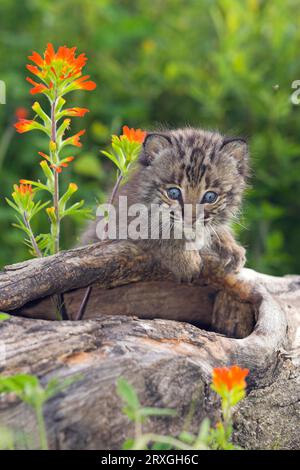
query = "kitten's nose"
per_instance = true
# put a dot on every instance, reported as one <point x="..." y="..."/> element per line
<point x="190" y="218"/>
<point x="190" y="209"/>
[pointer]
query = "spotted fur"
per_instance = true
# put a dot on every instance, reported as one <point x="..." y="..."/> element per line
<point x="195" y="161"/>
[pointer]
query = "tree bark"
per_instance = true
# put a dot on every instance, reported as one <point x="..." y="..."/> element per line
<point x="161" y="336"/>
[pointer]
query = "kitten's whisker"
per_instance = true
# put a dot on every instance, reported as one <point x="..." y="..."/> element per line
<point x="237" y="220"/>
<point x="216" y="234"/>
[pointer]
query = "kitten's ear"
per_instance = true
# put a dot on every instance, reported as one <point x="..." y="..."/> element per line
<point x="153" y="145"/>
<point x="237" y="148"/>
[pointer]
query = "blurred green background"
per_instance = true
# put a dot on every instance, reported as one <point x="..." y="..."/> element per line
<point x="223" y="64"/>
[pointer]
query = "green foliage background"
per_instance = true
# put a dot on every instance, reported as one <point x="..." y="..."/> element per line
<point x="221" y="64"/>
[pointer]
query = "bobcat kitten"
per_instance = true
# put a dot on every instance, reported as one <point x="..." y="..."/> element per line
<point x="190" y="166"/>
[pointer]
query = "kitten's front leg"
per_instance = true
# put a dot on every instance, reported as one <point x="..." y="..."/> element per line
<point x="227" y="256"/>
<point x="185" y="264"/>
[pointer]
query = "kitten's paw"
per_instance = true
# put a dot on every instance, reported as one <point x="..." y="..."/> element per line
<point x="235" y="258"/>
<point x="225" y="255"/>
<point x="186" y="266"/>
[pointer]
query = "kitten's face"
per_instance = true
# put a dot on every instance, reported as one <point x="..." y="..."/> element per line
<point x="191" y="166"/>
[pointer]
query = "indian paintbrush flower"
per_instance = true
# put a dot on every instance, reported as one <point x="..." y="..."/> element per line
<point x="230" y="384"/>
<point x="59" y="71"/>
<point x="79" y="112"/>
<point x="126" y="148"/>
<point x="56" y="74"/>
<point x="23" y="189"/>
<point x="74" y="139"/>
<point x="25" y="125"/>
<point x="229" y="380"/>
<point x="133" y="135"/>
<point x="23" y="195"/>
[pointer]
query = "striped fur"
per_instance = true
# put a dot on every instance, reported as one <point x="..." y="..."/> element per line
<point x="195" y="161"/>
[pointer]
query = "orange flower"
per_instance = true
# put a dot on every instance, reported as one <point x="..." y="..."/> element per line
<point x="57" y="168"/>
<point x="21" y="113"/>
<point x="75" y="139"/>
<point x="229" y="378"/>
<point x="84" y="84"/>
<point x="134" y="135"/>
<point x="24" y="125"/>
<point x="35" y="70"/>
<point x="80" y="112"/>
<point x="46" y="157"/>
<point x="37" y="87"/>
<point x="23" y="189"/>
<point x="67" y="160"/>
<point x="37" y="59"/>
<point x="63" y="164"/>
<point x="63" y="61"/>
<point x="55" y="67"/>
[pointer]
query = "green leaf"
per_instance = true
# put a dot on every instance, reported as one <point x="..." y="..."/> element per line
<point x="114" y="160"/>
<point x="203" y="434"/>
<point x="187" y="437"/>
<point x="13" y="205"/>
<point x="128" y="444"/>
<point x="129" y="412"/>
<point x="41" y="113"/>
<point x="50" y="178"/>
<point x="28" y="388"/>
<point x="44" y="242"/>
<point x="65" y="198"/>
<point x="25" y="386"/>
<point x="147" y="411"/>
<point x="62" y="128"/>
<point x="127" y="393"/>
<point x="161" y="446"/>
<point x="75" y="210"/>
<point x="21" y="226"/>
<point x="4" y="316"/>
<point x="38" y="207"/>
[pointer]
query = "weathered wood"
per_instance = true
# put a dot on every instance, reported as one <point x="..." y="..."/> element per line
<point x="169" y="362"/>
<point x="145" y="299"/>
<point x="108" y="263"/>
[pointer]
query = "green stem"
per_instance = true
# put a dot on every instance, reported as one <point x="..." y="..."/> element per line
<point x="227" y="418"/>
<point x="226" y="414"/>
<point x="138" y="428"/>
<point x="59" y="299"/>
<point x="41" y="427"/>
<point x="56" y="179"/>
<point x="111" y="200"/>
<point x="57" y="217"/>
<point x="32" y="237"/>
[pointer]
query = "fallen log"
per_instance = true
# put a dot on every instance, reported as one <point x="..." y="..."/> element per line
<point x="163" y="337"/>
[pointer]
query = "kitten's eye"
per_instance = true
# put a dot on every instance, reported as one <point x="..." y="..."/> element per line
<point x="209" y="198"/>
<point x="174" y="193"/>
